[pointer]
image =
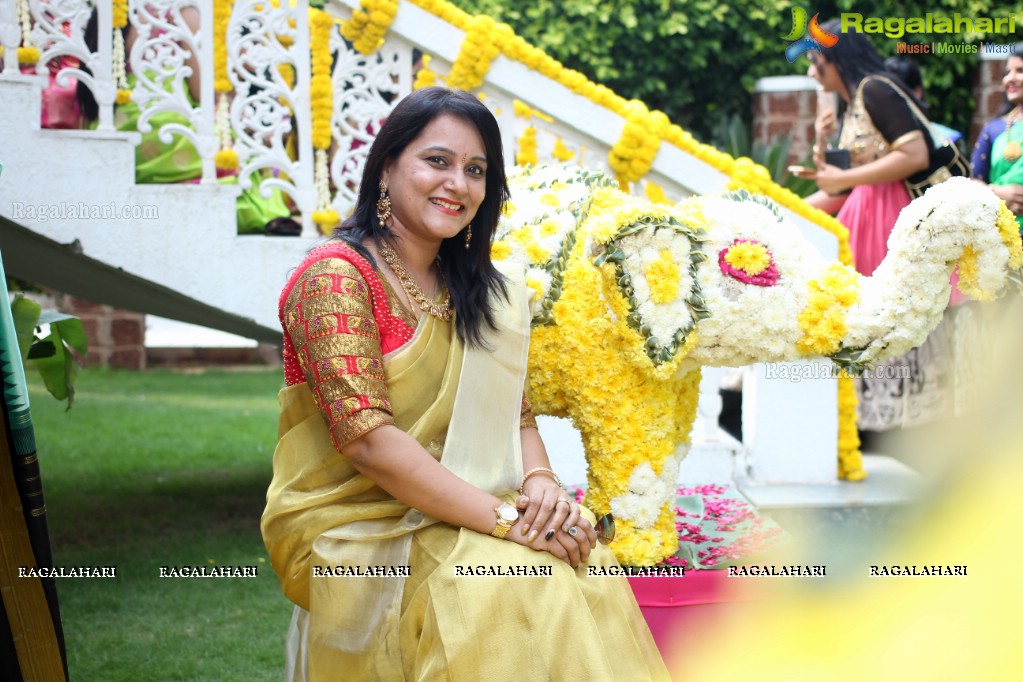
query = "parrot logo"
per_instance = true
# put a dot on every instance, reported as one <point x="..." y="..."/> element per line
<point x="817" y="39"/>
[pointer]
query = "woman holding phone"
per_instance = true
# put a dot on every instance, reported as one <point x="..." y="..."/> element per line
<point x="886" y="143"/>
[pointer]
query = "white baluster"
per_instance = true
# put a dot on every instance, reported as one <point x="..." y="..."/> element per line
<point x="10" y="35"/>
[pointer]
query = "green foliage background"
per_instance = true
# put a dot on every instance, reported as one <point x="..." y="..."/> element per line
<point x="698" y="60"/>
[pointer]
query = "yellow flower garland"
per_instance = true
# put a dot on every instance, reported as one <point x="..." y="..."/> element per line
<point x="321" y="101"/>
<point x="369" y="24"/>
<point x="561" y="152"/>
<point x="221" y="17"/>
<point x="120" y="20"/>
<point x="482" y="44"/>
<point x="227" y="157"/>
<point x="425" y="77"/>
<point x="655" y="193"/>
<point x="28" y="54"/>
<point x="1009" y="232"/>
<point x="633" y="154"/>
<point x="526" y="155"/>
<point x="823" y="319"/>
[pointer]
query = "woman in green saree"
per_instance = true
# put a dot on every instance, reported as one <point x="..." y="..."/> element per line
<point x="998" y="153"/>
<point x="413" y="517"/>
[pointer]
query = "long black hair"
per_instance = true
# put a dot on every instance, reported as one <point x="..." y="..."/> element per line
<point x="856" y="58"/>
<point x="471" y="277"/>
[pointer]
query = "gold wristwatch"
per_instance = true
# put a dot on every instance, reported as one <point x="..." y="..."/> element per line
<point x="507" y="515"/>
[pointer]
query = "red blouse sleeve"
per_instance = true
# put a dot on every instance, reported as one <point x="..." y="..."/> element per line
<point x="331" y="332"/>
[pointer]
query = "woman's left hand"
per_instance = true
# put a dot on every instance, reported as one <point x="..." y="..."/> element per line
<point x="831" y="179"/>
<point x="547" y="507"/>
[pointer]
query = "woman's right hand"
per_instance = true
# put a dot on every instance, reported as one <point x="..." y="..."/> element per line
<point x="1012" y="195"/>
<point x="573" y="550"/>
<point x="824" y="127"/>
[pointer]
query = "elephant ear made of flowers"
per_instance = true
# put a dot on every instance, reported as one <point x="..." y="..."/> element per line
<point x="632" y="298"/>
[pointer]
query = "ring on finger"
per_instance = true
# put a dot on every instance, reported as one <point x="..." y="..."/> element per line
<point x="573" y="531"/>
<point x="565" y="500"/>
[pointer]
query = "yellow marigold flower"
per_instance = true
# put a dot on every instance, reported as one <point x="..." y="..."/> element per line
<point x="1008" y="228"/>
<point x="663" y="275"/>
<point x="123" y="96"/>
<point x="750" y="257"/>
<point x="326" y="220"/>
<point x="537" y="254"/>
<point x="561" y="152"/>
<point x="500" y="250"/>
<point x="535" y="284"/>
<point x="28" y="55"/>
<point x="655" y="193"/>
<point x="549" y="228"/>
<point x="226" y="159"/>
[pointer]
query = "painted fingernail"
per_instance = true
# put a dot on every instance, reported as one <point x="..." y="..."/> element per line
<point x="549" y="535"/>
<point x="532" y="535"/>
<point x="525" y="528"/>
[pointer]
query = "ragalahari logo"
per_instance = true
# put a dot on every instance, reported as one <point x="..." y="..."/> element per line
<point x="806" y="36"/>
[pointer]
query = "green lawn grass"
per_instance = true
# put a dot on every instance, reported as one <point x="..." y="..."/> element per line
<point x="154" y="469"/>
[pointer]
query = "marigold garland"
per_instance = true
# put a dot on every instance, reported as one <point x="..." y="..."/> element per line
<point x="425" y="77"/>
<point x="368" y="26"/>
<point x="527" y="156"/>
<point x="633" y="154"/>
<point x="655" y="193"/>
<point x="28" y="54"/>
<point x="321" y="101"/>
<point x="969" y="267"/>
<point x="561" y="152"/>
<point x="823" y="319"/>
<point x="227" y="158"/>
<point x="482" y="44"/>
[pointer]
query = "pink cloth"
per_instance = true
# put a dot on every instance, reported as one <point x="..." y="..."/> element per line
<point x="870" y="213"/>
<point x="677" y="609"/>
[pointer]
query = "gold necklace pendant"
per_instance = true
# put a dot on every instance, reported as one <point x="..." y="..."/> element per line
<point x="1012" y="151"/>
<point x="412" y="289"/>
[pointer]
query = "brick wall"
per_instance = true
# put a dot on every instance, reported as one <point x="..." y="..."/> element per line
<point x="785" y="105"/>
<point x="116" y="337"/>
<point x="987" y="90"/>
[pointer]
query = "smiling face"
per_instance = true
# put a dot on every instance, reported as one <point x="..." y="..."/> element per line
<point x="1013" y="79"/>
<point x="438" y="182"/>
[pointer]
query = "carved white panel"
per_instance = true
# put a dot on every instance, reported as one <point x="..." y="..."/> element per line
<point x="366" y="88"/>
<point x="263" y="42"/>
<point x="164" y="43"/>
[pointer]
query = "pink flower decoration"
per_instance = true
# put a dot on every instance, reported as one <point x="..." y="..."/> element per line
<point x="761" y="277"/>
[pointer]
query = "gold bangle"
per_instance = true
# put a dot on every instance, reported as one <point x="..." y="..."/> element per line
<point x="536" y="471"/>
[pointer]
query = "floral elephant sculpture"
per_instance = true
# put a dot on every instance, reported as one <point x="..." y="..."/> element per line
<point x="632" y="298"/>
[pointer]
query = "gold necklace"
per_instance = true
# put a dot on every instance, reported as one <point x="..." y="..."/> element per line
<point x="1012" y="151"/>
<point x="412" y="288"/>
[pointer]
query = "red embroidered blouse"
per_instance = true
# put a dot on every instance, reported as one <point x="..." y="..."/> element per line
<point x="340" y="318"/>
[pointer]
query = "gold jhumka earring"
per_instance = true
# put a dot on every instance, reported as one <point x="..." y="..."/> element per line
<point x="383" y="206"/>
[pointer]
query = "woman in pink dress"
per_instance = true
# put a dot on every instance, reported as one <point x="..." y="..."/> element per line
<point x="886" y="143"/>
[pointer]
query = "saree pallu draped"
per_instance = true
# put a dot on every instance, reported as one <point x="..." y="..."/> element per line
<point x="1004" y="171"/>
<point x="463" y="406"/>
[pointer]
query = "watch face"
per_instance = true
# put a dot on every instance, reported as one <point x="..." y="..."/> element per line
<point x="508" y="513"/>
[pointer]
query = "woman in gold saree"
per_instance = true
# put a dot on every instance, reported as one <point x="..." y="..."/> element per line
<point x="404" y="436"/>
